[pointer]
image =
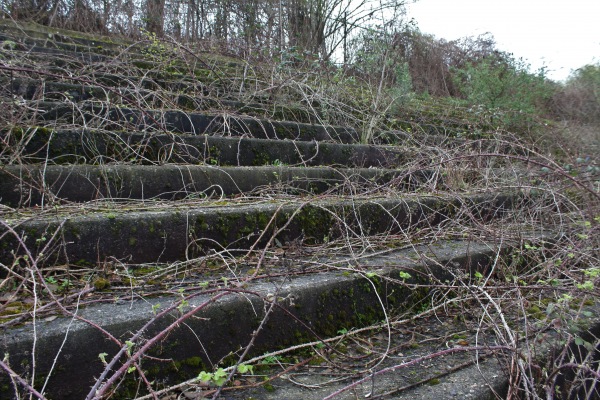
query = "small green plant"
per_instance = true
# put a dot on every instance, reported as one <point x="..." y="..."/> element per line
<point x="130" y="345"/>
<point x="217" y="378"/>
<point x="65" y="284"/>
<point x="271" y="360"/>
<point x="8" y="45"/>
<point x="183" y="303"/>
<point x="244" y="369"/>
<point x="404" y="275"/>
<point x="51" y="280"/>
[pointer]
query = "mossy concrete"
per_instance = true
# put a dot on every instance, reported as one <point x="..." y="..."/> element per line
<point x="196" y="123"/>
<point x="30" y="89"/>
<point x="309" y="307"/>
<point x="31" y="32"/>
<point x="96" y="146"/>
<point x="451" y="140"/>
<point x="25" y="186"/>
<point x="185" y="232"/>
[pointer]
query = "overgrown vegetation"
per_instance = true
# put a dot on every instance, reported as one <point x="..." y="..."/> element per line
<point x="474" y="121"/>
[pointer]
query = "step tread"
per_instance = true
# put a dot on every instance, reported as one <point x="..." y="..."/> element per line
<point x="338" y="273"/>
<point x="31" y="185"/>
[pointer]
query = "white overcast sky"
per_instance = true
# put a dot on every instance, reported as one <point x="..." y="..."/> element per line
<point x="562" y="35"/>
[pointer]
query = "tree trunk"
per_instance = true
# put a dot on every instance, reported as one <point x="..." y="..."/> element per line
<point x="155" y="16"/>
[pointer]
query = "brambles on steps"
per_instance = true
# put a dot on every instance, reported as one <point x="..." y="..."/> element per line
<point x="154" y="203"/>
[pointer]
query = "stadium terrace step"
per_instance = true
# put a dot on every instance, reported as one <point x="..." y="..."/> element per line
<point x="218" y="320"/>
<point x="118" y="72"/>
<point x="42" y="145"/>
<point x="120" y="118"/>
<point x="171" y="232"/>
<point x="46" y="37"/>
<point x="38" y="89"/>
<point x="450" y="140"/>
<point x="437" y="365"/>
<point x="26" y="186"/>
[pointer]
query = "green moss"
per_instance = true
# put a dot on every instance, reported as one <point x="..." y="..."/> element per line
<point x="145" y="270"/>
<point x="73" y="229"/>
<point x="201" y="224"/>
<point x="267" y="386"/>
<point x="193" y="362"/>
<point x="316" y="223"/>
<point x="84" y="263"/>
<point x="316" y="361"/>
<point x="535" y="312"/>
<point x="261" y="157"/>
<point x="101" y="283"/>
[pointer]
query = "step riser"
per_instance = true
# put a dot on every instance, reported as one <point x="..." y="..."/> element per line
<point x="181" y="122"/>
<point x="49" y="46"/>
<point x="103" y="147"/>
<point x="326" y="303"/>
<point x="30" y="89"/>
<point x="179" y="235"/>
<point x="35" y="33"/>
<point x="36" y="186"/>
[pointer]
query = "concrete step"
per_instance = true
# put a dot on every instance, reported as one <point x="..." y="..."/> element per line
<point x="174" y="231"/>
<point x="27" y="186"/>
<point x="119" y="75"/>
<point x="43" y="145"/>
<point x="179" y="72"/>
<point x="51" y="41"/>
<point x="121" y="118"/>
<point x="35" y="52"/>
<point x="34" y="37"/>
<point x="424" y="361"/>
<point x="491" y="144"/>
<point x="44" y="90"/>
<point x="122" y="71"/>
<point x="209" y="320"/>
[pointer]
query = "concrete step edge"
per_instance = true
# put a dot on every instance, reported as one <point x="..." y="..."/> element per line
<point x="326" y="302"/>
<point x="171" y="233"/>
